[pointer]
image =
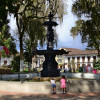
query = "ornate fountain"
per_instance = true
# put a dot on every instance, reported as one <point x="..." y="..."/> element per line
<point x="50" y="65"/>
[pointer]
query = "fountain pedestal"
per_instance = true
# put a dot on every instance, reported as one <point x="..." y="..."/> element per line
<point x="50" y="65"/>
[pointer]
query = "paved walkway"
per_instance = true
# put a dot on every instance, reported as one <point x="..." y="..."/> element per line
<point x="4" y="95"/>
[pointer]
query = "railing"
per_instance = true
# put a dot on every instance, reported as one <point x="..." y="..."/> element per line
<point x="32" y="75"/>
<point x="82" y="75"/>
<point x="18" y="76"/>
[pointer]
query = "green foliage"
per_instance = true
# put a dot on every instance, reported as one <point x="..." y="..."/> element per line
<point x="7" y="40"/>
<point x="26" y="70"/>
<point x="26" y="10"/>
<point x="77" y="71"/>
<point x="81" y="69"/>
<point x="27" y="56"/>
<point x="5" y="37"/>
<point x="89" y="28"/>
<point x="5" y="6"/>
<point x="15" y="64"/>
<point x="28" y="51"/>
<point x="36" y="32"/>
<point x="97" y="65"/>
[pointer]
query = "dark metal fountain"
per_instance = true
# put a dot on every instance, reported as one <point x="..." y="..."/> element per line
<point x="50" y="65"/>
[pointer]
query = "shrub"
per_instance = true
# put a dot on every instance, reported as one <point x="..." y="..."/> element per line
<point x="80" y="69"/>
<point x="15" y="64"/>
<point x="5" y="71"/>
<point x="77" y="71"/>
<point x="97" y="64"/>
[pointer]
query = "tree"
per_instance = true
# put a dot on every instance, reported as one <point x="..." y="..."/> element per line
<point x="97" y="64"/>
<point x="15" y="64"/>
<point x="36" y="32"/>
<point x="88" y="28"/>
<point x="25" y="10"/>
<point x="5" y="7"/>
<point x="5" y="37"/>
<point x="28" y="52"/>
<point x="7" y="40"/>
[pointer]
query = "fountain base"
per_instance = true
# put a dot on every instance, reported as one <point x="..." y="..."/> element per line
<point x="46" y="73"/>
<point x="50" y="65"/>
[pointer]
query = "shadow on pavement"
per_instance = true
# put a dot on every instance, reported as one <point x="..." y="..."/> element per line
<point x="50" y="97"/>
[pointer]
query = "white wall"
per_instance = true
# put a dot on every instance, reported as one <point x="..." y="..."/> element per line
<point x="6" y="59"/>
<point x="86" y="60"/>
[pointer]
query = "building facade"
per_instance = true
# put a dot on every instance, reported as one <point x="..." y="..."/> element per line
<point x="77" y="58"/>
<point x="5" y="61"/>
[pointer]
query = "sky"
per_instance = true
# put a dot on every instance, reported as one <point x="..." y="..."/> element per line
<point x="65" y="40"/>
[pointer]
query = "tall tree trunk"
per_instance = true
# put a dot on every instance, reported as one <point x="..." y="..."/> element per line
<point x="21" y="55"/>
<point x="29" y="66"/>
<point x="34" y="57"/>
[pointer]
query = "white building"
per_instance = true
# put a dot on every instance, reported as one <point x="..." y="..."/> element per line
<point x="5" y="61"/>
<point x="77" y="58"/>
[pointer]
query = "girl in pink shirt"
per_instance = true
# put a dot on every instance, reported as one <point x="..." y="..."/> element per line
<point x="63" y="84"/>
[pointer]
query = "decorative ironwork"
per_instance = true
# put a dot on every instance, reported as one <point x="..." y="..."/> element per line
<point x="50" y="65"/>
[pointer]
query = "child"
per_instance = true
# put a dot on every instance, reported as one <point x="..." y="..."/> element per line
<point x="63" y="84"/>
<point x="53" y="85"/>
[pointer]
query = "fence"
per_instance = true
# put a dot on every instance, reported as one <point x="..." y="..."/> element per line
<point x="32" y="75"/>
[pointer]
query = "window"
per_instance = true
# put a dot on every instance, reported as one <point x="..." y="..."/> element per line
<point x="83" y="59"/>
<point x="59" y="60"/>
<point x="94" y="58"/>
<point x="5" y="62"/>
<point x="78" y="59"/>
<point x="59" y="56"/>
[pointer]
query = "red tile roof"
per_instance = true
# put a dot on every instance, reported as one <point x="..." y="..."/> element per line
<point x="80" y="52"/>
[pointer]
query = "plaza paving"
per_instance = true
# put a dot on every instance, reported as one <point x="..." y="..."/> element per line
<point x="4" y="95"/>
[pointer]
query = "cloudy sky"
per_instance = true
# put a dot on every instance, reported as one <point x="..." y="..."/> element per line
<point x="65" y="40"/>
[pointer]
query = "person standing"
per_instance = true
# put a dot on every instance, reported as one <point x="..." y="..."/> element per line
<point x="84" y="69"/>
<point x="63" y="84"/>
<point x="89" y="69"/>
<point x="53" y="85"/>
